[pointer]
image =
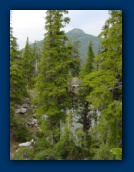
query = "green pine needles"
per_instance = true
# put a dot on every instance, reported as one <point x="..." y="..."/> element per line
<point x="78" y="108"/>
<point x="54" y="76"/>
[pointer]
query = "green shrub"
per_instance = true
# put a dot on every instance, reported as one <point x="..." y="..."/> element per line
<point x="24" y="153"/>
<point x="47" y="154"/>
<point x="12" y="117"/>
<point x="18" y="128"/>
<point x="39" y="134"/>
<point x="117" y="152"/>
<point x="21" y="132"/>
<point x="103" y="153"/>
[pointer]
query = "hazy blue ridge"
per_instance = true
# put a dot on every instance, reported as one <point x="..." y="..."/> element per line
<point x="83" y="39"/>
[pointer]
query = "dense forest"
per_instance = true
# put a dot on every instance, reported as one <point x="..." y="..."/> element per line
<point x="60" y="108"/>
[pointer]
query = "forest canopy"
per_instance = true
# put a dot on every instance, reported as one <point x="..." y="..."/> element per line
<point x="60" y="107"/>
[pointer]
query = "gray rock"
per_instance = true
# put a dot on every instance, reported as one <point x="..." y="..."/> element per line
<point x="27" y="99"/>
<point x="44" y="117"/>
<point x="34" y="121"/>
<point x="28" y="123"/>
<point x="22" y="110"/>
<point x="34" y="115"/>
<point x="31" y="124"/>
<point x="33" y="106"/>
<point x="25" y="105"/>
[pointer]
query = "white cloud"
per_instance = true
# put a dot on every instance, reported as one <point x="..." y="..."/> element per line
<point x="28" y="23"/>
<point x="31" y="23"/>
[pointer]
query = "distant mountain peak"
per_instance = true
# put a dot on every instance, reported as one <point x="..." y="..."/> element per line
<point x="83" y="39"/>
<point x="76" y="30"/>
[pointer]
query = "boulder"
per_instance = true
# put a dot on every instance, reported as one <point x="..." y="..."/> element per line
<point x="34" y="121"/>
<point x="34" y="115"/>
<point x="22" y="110"/>
<point x="25" y="105"/>
<point x="33" y="106"/>
<point x="27" y="100"/>
<point x="44" y="117"/>
<point x="31" y="124"/>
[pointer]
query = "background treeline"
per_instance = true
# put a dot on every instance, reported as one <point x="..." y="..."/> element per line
<point x="45" y="75"/>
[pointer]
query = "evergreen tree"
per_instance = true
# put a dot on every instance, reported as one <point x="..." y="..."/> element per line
<point x="37" y="54"/>
<point x="74" y="54"/>
<point x="18" y="131"/>
<point x="11" y="28"/>
<point x="28" y="63"/>
<point x="54" y="69"/>
<point x="17" y="79"/>
<point x="84" y="90"/>
<point x="54" y="74"/>
<point x="89" y="65"/>
<point x="106" y="83"/>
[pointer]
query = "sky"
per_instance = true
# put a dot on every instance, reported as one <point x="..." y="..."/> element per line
<point x="31" y="23"/>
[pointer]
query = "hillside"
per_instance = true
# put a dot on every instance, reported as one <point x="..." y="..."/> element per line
<point x="83" y="39"/>
<point x="61" y="109"/>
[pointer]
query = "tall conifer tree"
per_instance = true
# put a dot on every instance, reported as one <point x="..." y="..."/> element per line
<point x="107" y="84"/>
<point x="28" y="63"/>
<point x="17" y="79"/>
<point x="54" y="76"/>
<point x="75" y="57"/>
<point x="84" y="90"/>
<point x="37" y="54"/>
